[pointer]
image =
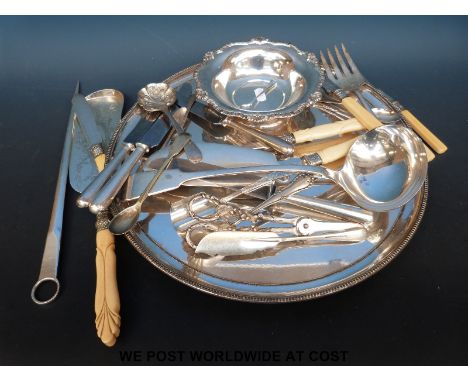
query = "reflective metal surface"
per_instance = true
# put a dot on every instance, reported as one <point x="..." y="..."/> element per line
<point x="127" y="218"/>
<point x="51" y="254"/>
<point x="159" y="97"/>
<point x="296" y="272"/>
<point x="311" y="232"/>
<point x="107" y="107"/>
<point x="384" y="168"/>
<point x="259" y="80"/>
<point x="144" y="139"/>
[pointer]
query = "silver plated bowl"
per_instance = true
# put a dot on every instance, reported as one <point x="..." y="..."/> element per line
<point x="259" y="80"/>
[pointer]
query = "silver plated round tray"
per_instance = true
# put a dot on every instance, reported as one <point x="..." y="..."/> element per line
<point x="295" y="274"/>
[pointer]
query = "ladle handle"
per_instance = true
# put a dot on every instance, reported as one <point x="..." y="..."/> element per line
<point x="368" y="120"/>
<point x="435" y="143"/>
<point x="328" y="130"/>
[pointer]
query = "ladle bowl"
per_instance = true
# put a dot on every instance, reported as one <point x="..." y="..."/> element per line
<point x="384" y="168"/>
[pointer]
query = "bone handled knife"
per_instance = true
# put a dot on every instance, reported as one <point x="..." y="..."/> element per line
<point x="328" y="130"/>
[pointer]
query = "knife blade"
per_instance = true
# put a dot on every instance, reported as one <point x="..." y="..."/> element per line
<point x="219" y="126"/>
<point x="209" y="121"/>
<point x="106" y="107"/>
<point x="87" y="124"/>
<point x="219" y="155"/>
<point x="87" y="136"/>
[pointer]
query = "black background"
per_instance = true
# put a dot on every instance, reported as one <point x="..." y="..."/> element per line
<point x="415" y="311"/>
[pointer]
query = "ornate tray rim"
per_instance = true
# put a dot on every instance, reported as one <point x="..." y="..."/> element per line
<point x="385" y="258"/>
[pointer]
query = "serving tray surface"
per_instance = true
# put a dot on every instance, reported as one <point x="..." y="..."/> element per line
<point x="291" y="275"/>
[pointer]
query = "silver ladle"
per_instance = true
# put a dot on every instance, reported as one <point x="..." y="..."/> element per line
<point x="127" y="218"/>
<point x="158" y="97"/>
<point x="383" y="170"/>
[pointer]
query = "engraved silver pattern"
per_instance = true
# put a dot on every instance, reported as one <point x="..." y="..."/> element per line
<point x="102" y="221"/>
<point x="96" y="150"/>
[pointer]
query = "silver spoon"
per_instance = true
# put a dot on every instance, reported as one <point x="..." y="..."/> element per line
<point x="158" y="97"/>
<point x="127" y="218"/>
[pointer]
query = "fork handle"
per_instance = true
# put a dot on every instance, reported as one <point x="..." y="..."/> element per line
<point x="360" y="113"/>
<point x="435" y="143"/>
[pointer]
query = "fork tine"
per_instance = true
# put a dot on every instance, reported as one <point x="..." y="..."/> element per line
<point x="335" y="67"/>
<point x="329" y="72"/>
<point x="344" y="67"/>
<point x="351" y="63"/>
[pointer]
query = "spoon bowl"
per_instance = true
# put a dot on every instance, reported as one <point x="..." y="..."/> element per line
<point x="125" y="219"/>
<point x="156" y="97"/>
<point x="384" y="168"/>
